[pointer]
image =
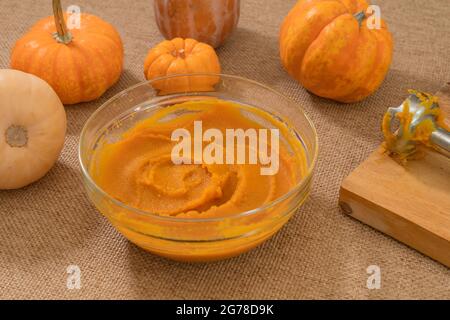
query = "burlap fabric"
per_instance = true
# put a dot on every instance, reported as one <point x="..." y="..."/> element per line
<point x="321" y="253"/>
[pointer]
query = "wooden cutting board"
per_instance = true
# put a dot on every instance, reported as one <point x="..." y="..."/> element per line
<point x="410" y="203"/>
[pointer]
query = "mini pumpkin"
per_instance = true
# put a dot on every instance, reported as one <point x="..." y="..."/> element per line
<point x="329" y="48"/>
<point x="178" y="57"/>
<point x="32" y="128"/>
<point x="207" y="21"/>
<point x="80" y="64"/>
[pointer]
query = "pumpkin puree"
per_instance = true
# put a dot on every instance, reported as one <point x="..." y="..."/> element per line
<point x="138" y="170"/>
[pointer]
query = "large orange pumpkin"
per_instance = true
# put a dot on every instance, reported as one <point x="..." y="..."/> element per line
<point x="178" y="57"/>
<point x="79" y="64"/>
<point x="329" y="48"/>
<point x="209" y="21"/>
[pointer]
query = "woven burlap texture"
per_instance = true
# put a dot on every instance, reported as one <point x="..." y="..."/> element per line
<point x="320" y="253"/>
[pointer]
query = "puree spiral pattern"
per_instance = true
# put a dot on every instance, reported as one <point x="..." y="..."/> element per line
<point x="138" y="169"/>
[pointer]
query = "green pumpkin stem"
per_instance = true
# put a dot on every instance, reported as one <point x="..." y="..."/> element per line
<point x="62" y="35"/>
<point x="360" y="17"/>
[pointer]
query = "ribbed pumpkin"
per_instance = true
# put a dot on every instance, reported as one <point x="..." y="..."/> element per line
<point x="80" y="64"/>
<point x="178" y="57"/>
<point x="209" y="21"/>
<point x="329" y="48"/>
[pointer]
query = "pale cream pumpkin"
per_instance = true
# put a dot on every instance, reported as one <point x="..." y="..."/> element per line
<point x="32" y="128"/>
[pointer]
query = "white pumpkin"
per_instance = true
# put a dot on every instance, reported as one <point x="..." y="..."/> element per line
<point x="32" y="128"/>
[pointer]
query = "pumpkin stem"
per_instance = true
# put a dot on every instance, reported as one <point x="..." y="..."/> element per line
<point x="16" y="136"/>
<point x="179" y="53"/>
<point x="360" y="17"/>
<point x="62" y="35"/>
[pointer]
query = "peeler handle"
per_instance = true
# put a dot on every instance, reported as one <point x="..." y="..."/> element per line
<point x="440" y="140"/>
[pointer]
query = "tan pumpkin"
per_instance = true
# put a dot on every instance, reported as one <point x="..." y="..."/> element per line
<point x="79" y="64"/>
<point x="209" y="21"/>
<point x="178" y="57"/>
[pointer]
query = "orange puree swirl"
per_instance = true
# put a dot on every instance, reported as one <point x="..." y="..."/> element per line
<point x="138" y="169"/>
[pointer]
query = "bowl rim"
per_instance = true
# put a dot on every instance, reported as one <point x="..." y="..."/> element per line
<point x="299" y="186"/>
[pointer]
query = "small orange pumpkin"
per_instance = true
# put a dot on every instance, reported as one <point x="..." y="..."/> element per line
<point x="328" y="47"/>
<point x="207" y="21"/>
<point x="178" y="57"/>
<point x="80" y="64"/>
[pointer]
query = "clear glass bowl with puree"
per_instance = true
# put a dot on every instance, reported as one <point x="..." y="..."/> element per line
<point x="196" y="210"/>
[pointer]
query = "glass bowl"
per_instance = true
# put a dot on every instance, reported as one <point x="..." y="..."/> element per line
<point x="195" y="239"/>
